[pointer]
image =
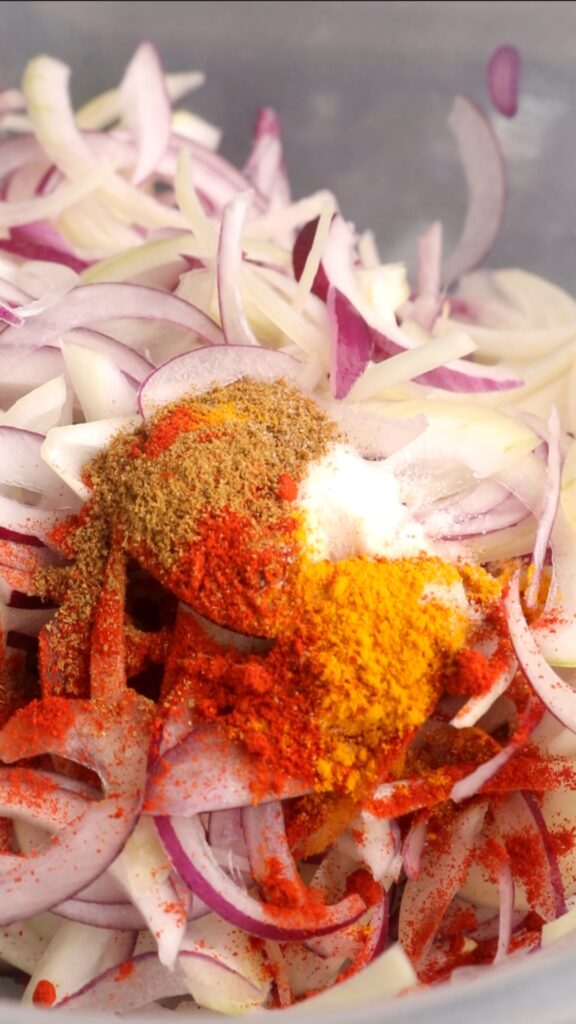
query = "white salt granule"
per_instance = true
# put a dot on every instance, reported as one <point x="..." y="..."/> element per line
<point x="353" y="507"/>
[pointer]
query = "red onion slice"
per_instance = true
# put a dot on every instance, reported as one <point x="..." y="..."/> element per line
<point x="378" y="843"/>
<point x="520" y="825"/>
<point x="237" y="330"/>
<point x="428" y="301"/>
<point x="558" y="901"/>
<point x="477" y="706"/>
<point x="503" y="79"/>
<point x="265" y="835"/>
<point x="206" y="772"/>
<point x="413" y="845"/>
<point x="485" y="173"/>
<point x="94" y="303"/>
<point x="300" y="252"/>
<point x="442" y="873"/>
<point x="212" y="976"/>
<point x="558" y="696"/>
<point x="265" y="166"/>
<point x="473" y="783"/>
<point x="550" y="503"/>
<point x="351" y="343"/>
<point x="146" y="109"/>
<point x="22" y="466"/>
<point x="205" y="368"/>
<point x="187" y="847"/>
<point x="114" y="745"/>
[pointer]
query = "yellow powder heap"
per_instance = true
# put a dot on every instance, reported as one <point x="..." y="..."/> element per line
<point x="378" y="637"/>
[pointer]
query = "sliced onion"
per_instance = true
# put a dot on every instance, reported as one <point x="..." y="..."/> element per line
<point x="65" y="971"/>
<point x="506" y="915"/>
<point x="95" y="303"/>
<point x="473" y="783"/>
<point x="413" y="845"/>
<point x="485" y="173"/>
<point x="442" y="872"/>
<point x="378" y="843"/>
<point x="477" y="706"/>
<point x="206" y="772"/>
<point x="237" y="330"/>
<point x="559" y="906"/>
<point x="205" y="368"/>
<point x="352" y="344"/>
<point x="550" y="503"/>
<point x="428" y="301"/>
<point x="186" y="845"/>
<point x="503" y="79"/>
<point x="67" y="450"/>
<point x="557" y="695"/>
<point x="221" y="973"/>
<point x="146" y="109"/>
<point x="84" y="850"/>
<point x="265" y="166"/>
<point x="301" y="250"/>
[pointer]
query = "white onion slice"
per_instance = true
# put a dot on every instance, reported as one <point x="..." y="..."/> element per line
<point x="558" y="696"/>
<point x="441" y="874"/>
<point x="146" y="109"/>
<point x="67" y="450"/>
<point x="237" y="330"/>
<point x="483" y="166"/>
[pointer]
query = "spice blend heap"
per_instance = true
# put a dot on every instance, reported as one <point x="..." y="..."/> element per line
<point x="203" y="497"/>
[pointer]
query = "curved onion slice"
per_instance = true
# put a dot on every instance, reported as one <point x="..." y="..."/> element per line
<point x="146" y="109"/>
<point x="68" y="449"/>
<point x="112" y="743"/>
<point x="378" y="843"/>
<point x="483" y="166"/>
<point x="186" y="844"/>
<point x="142" y="872"/>
<point x="99" y="384"/>
<point x="265" y="166"/>
<point x="205" y="368"/>
<point x="550" y="502"/>
<point x="207" y="772"/>
<point x="558" y="696"/>
<point x="237" y="330"/>
<point x="443" y="870"/>
<point x="67" y="972"/>
<point x="89" y="304"/>
<point x="220" y="973"/>
<point x="22" y="466"/>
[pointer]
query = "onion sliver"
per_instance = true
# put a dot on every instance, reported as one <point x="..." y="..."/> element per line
<point x="85" y="849"/>
<point x="483" y="165"/>
<point x="187" y="847"/>
<point x="558" y="696"/>
<point x="205" y="368"/>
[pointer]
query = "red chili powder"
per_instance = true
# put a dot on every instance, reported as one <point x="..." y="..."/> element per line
<point x="287" y="487"/>
<point x="362" y="883"/>
<point x="124" y="971"/>
<point x="44" y="993"/>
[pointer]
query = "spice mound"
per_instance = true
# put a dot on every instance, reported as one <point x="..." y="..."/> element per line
<point x="213" y="500"/>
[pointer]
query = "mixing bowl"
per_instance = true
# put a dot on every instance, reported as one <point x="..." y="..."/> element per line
<point x="363" y="90"/>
